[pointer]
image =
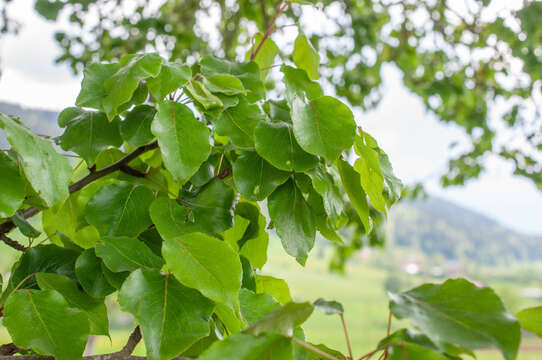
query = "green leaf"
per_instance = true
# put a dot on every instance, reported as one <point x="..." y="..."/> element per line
<point x="293" y="219"/>
<point x="278" y="288"/>
<point x="94" y="309"/>
<point x="86" y="237"/>
<point x="247" y="347"/>
<point x="256" y="306"/>
<point x="136" y="127"/>
<point x="255" y="239"/>
<point x="282" y="321"/>
<point x="352" y="186"/>
<point x="184" y="141"/>
<point x="126" y="254"/>
<point x="255" y="178"/>
<point x="123" y="83"/>
<point x="64" y="219"/>
<point x="323" y="126"/>
<point x="12" y="185"/>
<point x="172" y="317"/>
<point x="202" y="95"/>
<point x="92" y="87"/>
<point x="88" y="269"/>
<point x="120" y="209"/>
<point x="207" y="264"/>
<point x="32" y="319"/>
<point x="413" y="346"/>
<point x="266" y="54"/>
<point x="49" y="9"/>
<point x="47" y="171"/>
<point x="531" y="320"/>
<point x="172" y="76"/>
<point x="238" y="123"/>
<point x="233" y="235"/>
<point x="224" y="84"/>
<point x="393" y="185"/>
<point x="329" y="307"/>
<point x="247" y="72"/>
<point x="275" y="142"/>
<point x="306" y="57"/>
<point x="24" y="226"/>
<point x="372" y="180"/>
<point x="45" y="259"/>
<point x="298" y="85"/>
<point x="87" y="133"/>
<point x="326" y="186"/>
<point x="457" y="312"/>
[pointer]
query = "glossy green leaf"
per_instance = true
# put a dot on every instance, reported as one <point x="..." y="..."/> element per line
<point x="329" y="307"/>
<point x="88" y="269"/>
<point x="120" y="209"/>
<point x="413" y="346"/>
<point x="256" y="306"/>
<point x="183" y="140"/>
<point x="298" y="85"/>
<point x="123" y="83"/>
<point x="24" y="226"/>
<point x="64" y="219"/>
<point x="47" y="171"/>
<point x="87" y="133"/>
<point x="306" y="57"/>
<point x="172" y="317"/>
<point x="372" y="180"/>
<point x="172" y="76"/>
<point x="457" y="312"/>
<point x="531" y="320"/>
<point x="197" y="91"/>
<point x="255" y="178"/>
<point x="293" y="219"/>
<point x="95" y="309"/>
<point x="92" y="88"/>
<point x="323" y="126"/>
<point x="352" y="186"/>
<point x="136" y="127"/>
<point x="126" y="254"/>
<point x="225" y="84"/>
<point x="275" y="142"/>
<point x="282" y="321"/>
<point x="266" y="54"/>
<point x="32" y="319"/>
<point x="278" y="288"/>
<point x="233" y="235"/>
<point x="12" y="185"/>
<point x="86" y="237"/>
<point x="255" y="239"/>
<point x="248" y="347"/>
<point x="326" y="186"/>
<point x="207" y="264"/>
<point x="238" y="123"/>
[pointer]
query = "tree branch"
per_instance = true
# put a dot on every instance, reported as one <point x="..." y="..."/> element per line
<point x="282" y="6"/>
<point x="133" y="340"/>
<point x="93" y="176"/>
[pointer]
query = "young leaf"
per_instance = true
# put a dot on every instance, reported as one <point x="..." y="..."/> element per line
<point x="352" y="186"/>
<point x="256" y="306"/>
<point x="282" y="321"/>
<point x="87" y="133"/>
<point x="207" y="264"/>
<point x="172" y="76"/>
<point x="184" y="141"/>
<point x="531" y="320"/>
<point x="329" y="307"/>
<point x="124" y="82"/>
<point x="136" y="127"/>
<point x="278" y="288"/>
<point x="94" y="308"/>
<point x="457" y="312"/>
<point x="224" y="84"/>
<point x="248" y="347"/>
<point x="92" y="88"/>
<point x="126" y="254"/>
<point x="306" y="57"/>
<point x="294" y="220"/>
<point x="238" y="123"/>
<point x="275" y="142"/>
<point x="32" y="319"/>
<point x="172" y="317"/>
<point x="202" y="95"/>
<point x="323" y="126"/>
<point x="120" y="209"/>
<point x="47" y="171"/>
<point x="12" y="185"/>
<point x="255" y="178"/>
<point x="64" y="219"/>
<point x="88" y="269"/>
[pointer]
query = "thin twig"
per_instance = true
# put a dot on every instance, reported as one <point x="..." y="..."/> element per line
<point x="282" y="6"/>
<point x="14" y="244"/>
<point x="350" y="353"/>
<point x="310" y="348"/>
<point x="90" y="178"/>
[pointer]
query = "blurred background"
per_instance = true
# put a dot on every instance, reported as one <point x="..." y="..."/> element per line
<point x="474" y="148"/>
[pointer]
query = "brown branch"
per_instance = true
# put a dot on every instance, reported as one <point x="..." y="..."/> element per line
<point x="78" y="185"/>
<point x="14" y="244"/>
<point x="282" y="6"/>
<point x="224" y="174"/>
<point x="347" y="337"/>
<point x="133" y="340"/>
<point x="131" y="171"/>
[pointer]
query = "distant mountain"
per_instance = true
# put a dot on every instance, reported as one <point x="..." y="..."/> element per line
<point x="433" y="226"/>
<point x="438" y="227"/>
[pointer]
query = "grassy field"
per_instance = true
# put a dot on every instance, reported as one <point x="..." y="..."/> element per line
<point x="360" y="290"/>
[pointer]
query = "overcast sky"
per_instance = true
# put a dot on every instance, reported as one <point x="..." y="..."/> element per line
<point x="416" y="142"/>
